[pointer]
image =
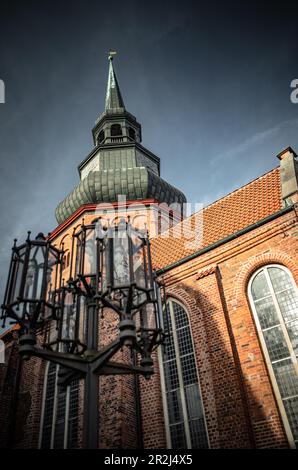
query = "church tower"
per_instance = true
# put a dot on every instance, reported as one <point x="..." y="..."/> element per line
<point x="118" y="179"/>
<point x="119" y="165"/>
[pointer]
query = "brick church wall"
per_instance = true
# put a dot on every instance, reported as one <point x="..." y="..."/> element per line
<point x="20" y="398"/>
<point x="153" y="427"/>
<point x="238" y="398"/>
<point x="7" y="386"/>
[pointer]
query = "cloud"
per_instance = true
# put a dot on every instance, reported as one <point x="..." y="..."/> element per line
<point x="253" y="140"/>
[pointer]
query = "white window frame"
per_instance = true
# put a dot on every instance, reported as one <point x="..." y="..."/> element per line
<point x="170" y="301"/>
<point x="275" y="387"/>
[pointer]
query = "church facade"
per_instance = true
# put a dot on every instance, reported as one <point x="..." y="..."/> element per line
<point x="227" y="377"/>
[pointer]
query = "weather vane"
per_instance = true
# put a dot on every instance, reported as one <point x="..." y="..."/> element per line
<point x="111" y="54"/>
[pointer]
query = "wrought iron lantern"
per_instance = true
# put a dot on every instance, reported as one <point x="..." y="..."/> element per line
<point x="33" y="283"/>
<point x="66" y="333"/>
<point x="110" y="270"/>
<point x="86" y="260"/>
<point x="128" y="280"/>
<point x="113" y="268"/>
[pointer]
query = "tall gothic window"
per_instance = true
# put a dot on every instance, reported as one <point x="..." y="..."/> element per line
<point x="182" y="398"/>
<point x="60" y="413"/>
<point x="274" y="300"/>
<point x="59" y="421"/>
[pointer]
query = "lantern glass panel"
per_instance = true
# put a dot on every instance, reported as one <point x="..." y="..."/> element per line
<point x="69" y="317"/>
<point x="148" y="316"/>
<point x="89" y="265"/>
<point x="52" y="281"/>
<point x="34" y="276"/>
<point x="81" y="322"/>
<point x="121" y="265"/>
<point x="78" y="254"/>
<point x="15" y="281"/>
<point x="53" y="276"/>
<point x="50" y="332"/>
<point x="68" y="320"/>
<point x="138" y="260"/>
<point x="88" y="257"/>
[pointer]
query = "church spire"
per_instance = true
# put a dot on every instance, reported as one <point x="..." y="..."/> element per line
<point x="114" y="99"/>
<point x="118" y="164"/>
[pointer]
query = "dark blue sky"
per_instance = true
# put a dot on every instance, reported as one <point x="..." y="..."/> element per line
<point x="208" y="81"/>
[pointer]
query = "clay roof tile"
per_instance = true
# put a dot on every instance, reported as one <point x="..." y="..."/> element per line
<point x="235" y="211"/>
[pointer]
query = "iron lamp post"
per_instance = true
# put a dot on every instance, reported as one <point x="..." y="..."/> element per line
<point x="110" y="271"/>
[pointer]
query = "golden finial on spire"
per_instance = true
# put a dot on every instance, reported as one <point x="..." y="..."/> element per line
<point x="111" y="54"/>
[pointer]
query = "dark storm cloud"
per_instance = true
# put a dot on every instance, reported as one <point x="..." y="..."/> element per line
<point x="209" y="82"/>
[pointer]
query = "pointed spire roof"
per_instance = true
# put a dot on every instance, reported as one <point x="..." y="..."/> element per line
<point x="113" y="96"/>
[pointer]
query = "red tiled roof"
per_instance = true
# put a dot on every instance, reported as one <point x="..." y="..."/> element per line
<point x="239" y="209"/>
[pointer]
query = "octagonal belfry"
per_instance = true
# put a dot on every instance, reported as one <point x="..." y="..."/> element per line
<point x="118" y="164"/>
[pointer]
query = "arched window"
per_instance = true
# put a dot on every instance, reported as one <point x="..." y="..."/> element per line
<point x="181" y="393"/>
<point x="132" y="133"/>
<point x="60" y="412"/>
<point x="274" y="301"/>
<point x="101" y="136"/>
<point x="116" y="130"/>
